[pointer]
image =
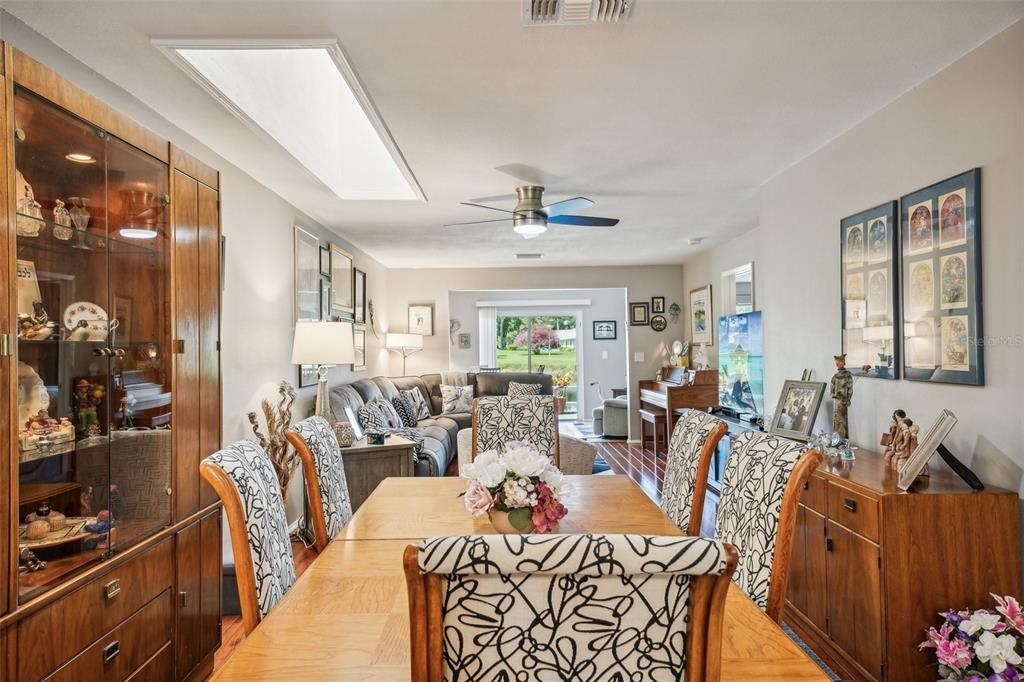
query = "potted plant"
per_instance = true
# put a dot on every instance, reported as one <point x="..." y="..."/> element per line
<point x="561" y="380"/>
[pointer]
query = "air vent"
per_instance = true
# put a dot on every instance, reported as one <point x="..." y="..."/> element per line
<point x="528" y="256"/>
<point x="576" y="12"/>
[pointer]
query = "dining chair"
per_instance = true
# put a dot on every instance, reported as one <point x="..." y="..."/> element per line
<point x="757" y="511"/>
<point x="244" y="478"/>
<point x="329" y="502"/>
<point x="579" y="607"/>
<point x="690" y="450"/>
<point x="500" y="419"/>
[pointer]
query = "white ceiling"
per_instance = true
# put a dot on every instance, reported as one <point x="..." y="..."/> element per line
<point x="670" y="122"/>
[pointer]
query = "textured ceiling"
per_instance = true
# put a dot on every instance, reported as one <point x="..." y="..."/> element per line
<point x="670" y="122"/>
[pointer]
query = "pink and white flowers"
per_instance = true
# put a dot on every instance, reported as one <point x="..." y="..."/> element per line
<point x="984" y="645"/>
<point x="521" y="482"/>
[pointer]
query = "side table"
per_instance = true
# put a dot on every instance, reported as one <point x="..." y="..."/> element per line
<point x="367" y="465"/>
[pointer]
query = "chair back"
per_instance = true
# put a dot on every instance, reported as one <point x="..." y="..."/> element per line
<point x="567" y="607"/>
<point x="329" y="501"/>
<point x="244" y="478"/>
<point x="500" y="419"/>
<point x="690" y="450"/>
<point x="757" y="511"/>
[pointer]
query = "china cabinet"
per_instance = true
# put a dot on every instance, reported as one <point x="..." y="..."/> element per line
<point x="110" y="358"/>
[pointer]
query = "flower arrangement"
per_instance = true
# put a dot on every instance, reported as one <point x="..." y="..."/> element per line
<point x="520" y="484"/>
<point x="981" y="646"/>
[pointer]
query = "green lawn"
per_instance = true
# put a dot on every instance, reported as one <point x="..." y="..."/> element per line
<point x="515" y="360"/>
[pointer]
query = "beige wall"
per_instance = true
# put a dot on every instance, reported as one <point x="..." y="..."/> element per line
<point x="431" y="286"/>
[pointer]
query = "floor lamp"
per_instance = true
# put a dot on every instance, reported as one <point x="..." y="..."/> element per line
<point x="324" y="344"/>
<point x="405" y="344"/>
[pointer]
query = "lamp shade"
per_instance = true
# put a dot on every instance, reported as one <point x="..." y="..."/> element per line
<point x="404" y="341"/>
<point x="883" y="333"/>
<point x="323" y="343"/>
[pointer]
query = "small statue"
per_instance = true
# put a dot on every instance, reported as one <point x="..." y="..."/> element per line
<point x="908" y="445"/>
<point x="894" y="424"/>
<point x="842" y="394"/>
<point x="87" y="399"/>
<point x="29" y="562"/>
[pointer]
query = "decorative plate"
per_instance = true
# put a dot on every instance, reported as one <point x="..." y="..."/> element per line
<point x="658" y="323"/>
<point x="677" y="347"/>
<point x="82" y="311"/>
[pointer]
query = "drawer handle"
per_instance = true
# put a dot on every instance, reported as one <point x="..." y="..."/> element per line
<point x="111" y="651"/>
<point x="112" y="589"/>
<point x="850" y="505"/>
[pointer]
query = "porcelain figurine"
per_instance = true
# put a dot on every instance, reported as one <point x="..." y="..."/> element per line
<point x="842" y="394"/>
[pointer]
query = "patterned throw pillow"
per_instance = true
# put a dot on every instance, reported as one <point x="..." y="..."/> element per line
<point x="418" y="402"/>
<point x="387" y="410"/>
<point x="405" y="410"/>
<point x="517" y="389"/>
<point x="371" y="419"/>
<point x="456" y="399"/>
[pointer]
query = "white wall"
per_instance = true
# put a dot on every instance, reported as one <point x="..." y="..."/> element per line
<point x="431" y="286"/>
<point x="605" y="304"/>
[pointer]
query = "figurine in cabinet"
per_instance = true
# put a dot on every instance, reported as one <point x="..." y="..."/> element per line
<point x="87" y="399"/>
<point x="62" y="221"/>
<point x="36" y="326"/>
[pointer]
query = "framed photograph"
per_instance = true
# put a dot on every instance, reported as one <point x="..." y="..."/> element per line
<point x="868" y="248"/>
<point x="359" y="343"/>
<point x="941" y="282"/>
<point x="464" y="342"/>
<point x="307" y="276"/>
<point x="658" y="304"/>
<point x="342" y="304"/>
<point x="926" y="447"/>
<point x="360" y="296"/>
<point x="353" y="421"/>
<point x="701" y="316"/>
<point x="307" y="376"/>
<point x="421" y="320"/>
<point x="606" y="330"/>
<point x="325" y="262"/>
<point x="325" y="300"/>
<point x="797" y="409"/>
<point x="639" y="314"/>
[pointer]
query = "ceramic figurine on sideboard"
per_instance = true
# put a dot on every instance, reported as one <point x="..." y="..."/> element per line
<point x="842" y="394"/>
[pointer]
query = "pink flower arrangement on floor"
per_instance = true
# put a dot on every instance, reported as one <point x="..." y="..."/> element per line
<point x="986" y="645"/>
<point x="521" y="481"/>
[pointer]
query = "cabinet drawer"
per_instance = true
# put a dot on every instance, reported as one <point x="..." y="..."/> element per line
<point x="854" y="511"/>
<point x="126" y="649"/>
<point x="55" y="633"/>
<point x="160" y="668"/>
<point x="814" y="494"/>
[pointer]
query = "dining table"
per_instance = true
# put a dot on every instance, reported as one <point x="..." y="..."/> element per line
<point x="347" y="616"/>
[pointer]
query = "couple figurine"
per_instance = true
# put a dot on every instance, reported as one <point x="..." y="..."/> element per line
<point x="900" y="441"/>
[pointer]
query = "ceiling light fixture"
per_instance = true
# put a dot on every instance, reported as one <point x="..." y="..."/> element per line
<point x="79" y="157"/>
<point x="135" y="232"/>
<point x="530" y="227"/>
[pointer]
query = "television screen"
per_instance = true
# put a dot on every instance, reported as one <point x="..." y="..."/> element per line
<point x="741" y="364"/>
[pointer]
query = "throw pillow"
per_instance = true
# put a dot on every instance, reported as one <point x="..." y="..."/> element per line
<point x="405" y="410"/>
<point x="371" y="419"/>
<point x="387" y="410"/>
<point x="419" y="403"/>
<point x="456" y="399"/>
<point x="517" y="389"/>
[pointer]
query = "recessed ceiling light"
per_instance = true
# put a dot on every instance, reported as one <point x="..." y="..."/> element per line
<point x="79" y="157"/>
<point x="304" y="95"/>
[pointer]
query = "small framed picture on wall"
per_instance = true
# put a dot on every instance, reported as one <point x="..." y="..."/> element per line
<point x="421" y="320"/>
<point x="605" y="330"/>
<point x="701" y="316"/>
<point x="639" y="314"/>
<point x="658" y="305"/>
<point x="359" y="344"/>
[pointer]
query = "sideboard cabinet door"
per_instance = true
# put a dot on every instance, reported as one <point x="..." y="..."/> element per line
<point x="854" y="597"/>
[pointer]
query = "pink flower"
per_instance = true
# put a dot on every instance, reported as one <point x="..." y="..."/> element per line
<point x="477" y="499"/>
<point x="937" y="637"/>
<point x="548" y="511"/>
<point x="955" y="653"/>
<point x="1010" y="609"/>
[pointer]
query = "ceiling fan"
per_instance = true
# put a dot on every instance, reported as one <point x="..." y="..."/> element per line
<point x="530" y="217"/>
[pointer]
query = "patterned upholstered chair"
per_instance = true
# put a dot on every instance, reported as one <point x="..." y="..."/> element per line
<point x="757" y="512"/>
<point x="329" y="503"/>
<point x="567" y="607"/>
<point x="690" y="450"/>
<point x="500" y="419"/>
<point x="245" y="480"/>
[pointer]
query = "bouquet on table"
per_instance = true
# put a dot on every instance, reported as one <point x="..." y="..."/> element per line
<point x="518" y="489"/>
<point x="980" y="646"/>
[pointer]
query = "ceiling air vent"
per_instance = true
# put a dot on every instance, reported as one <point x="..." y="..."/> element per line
<point x="576" y="12"/>
<point x="528" y="256"/>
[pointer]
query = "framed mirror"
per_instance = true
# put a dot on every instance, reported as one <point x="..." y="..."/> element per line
<point x="738" y="290"/>
<point x="342" y="284"/>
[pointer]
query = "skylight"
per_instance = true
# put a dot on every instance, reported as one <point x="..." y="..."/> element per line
<point x="308" y="100"/>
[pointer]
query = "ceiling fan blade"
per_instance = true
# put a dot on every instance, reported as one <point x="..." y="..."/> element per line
<point x="583" y="221"/>
<point x="567" y="206"/>
<point x="477" y="222"/>
<point x="493" y="208"/>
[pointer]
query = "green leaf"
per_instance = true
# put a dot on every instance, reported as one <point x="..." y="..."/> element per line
<point x="521" y="519"/>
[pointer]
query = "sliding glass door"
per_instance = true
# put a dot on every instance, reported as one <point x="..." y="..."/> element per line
<point x="529" y="341"/>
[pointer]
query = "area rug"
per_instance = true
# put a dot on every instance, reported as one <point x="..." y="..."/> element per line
<point x="813" y="656"/>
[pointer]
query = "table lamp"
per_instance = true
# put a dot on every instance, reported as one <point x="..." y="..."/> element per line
<point x="324" y="344"/>
<point x="406" y="344"/>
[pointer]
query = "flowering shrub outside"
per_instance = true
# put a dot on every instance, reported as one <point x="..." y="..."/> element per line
<point x="542" y="337"/>
<point x="980" y="646"/>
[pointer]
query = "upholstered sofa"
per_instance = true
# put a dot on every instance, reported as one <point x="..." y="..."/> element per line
<point x="440" y="431"/>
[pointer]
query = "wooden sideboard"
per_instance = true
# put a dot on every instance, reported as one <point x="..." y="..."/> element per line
<point x="873" y="565"/>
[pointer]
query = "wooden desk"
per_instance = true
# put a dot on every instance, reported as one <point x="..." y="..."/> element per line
<point x="347" y="616"/>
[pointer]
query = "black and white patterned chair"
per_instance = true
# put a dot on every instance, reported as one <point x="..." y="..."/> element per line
<point x="757" y="511"/>
<point x="690" y="450"/>
<point x="500" y="419"/>
<point x="329" y="502"/>
<point x="567" y="607"/>
<point x="244" y="478"/>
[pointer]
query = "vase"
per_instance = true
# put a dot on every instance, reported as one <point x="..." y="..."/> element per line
<point x="80" y="217"/>
<point x="62" y="221"/>
<point x="345" y="434"/>
<point x="499" y="520"/>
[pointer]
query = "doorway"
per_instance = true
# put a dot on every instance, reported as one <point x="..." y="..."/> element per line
<point x="544" y="343"/>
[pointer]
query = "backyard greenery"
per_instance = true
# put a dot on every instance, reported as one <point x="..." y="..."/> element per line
<point x="559" y="359"/>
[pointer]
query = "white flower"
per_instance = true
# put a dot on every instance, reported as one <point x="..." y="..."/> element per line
<point x="487" y="468"/>
<point x="525" y="462"/>
<point x="515" y="495"/>
<point x="979" y="621"/>
<point x="554" y="478"/>
<point x="997" y="651"/>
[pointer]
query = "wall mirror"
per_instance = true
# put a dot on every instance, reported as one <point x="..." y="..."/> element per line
<point x="738" y="290"/>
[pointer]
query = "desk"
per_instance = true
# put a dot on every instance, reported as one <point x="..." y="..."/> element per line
<point x="347" y="617"/>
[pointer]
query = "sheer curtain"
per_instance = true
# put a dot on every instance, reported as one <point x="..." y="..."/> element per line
<point x="488" y="336"/>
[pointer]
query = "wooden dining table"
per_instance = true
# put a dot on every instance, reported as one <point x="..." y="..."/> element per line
<point x="347" y="618"/>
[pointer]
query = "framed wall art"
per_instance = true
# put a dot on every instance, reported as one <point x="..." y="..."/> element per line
<point x="325" y="300"/>
<point x="359" y="284"/>
<point x="941" y="275"/>
<point x="639" y="314"/>
<point x="701" y="316"/>
<point x="464" y="342"/>
<point x="797" y="409"/>
<point x="658" y="304"/>
<point x="421" y="320"/>
<point x="325" y="262"/>
<point x="342" y="304"/>
<point x="307" y="276"/>
<point x="868" y="262"/>
<point x="606" y="330"/>
<point x="359" y="344"/>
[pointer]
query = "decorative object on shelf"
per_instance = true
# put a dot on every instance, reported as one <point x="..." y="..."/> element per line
<point x="701" y="316"/>
<point x="658" y="304"/>
<point x="673" y="312"/>
<point x="421" y="320"/>
<point x="28" y="287"/>
<point x="941" y="275"/>
<point x="464" y="342"/>
<point x="37" y="534"/>
<point x="359" y="294"/>
<point x="979" y="645"/>
<point x="36" y="327"/>
<point x="680" y="353"/>
<point x="44" y="436"/>
<point x="80" y="217"/>
<point x="404" y="344"/>
<point x="453" y="327"/>
<point x="605" y="330"/>
<point x="84" y="315"/>
<point x="914" y="456"/>
<point x="375" y="437"/>
<point x="701" y="361"/>
<point x="659" y="323"/>
<point x="797" y="409"/>
<point x="278" y="419"/>
<point x="87" y="398"/>
<point x="561" y="380"/>
<point x="54" y="519"/>
<point x="518" y="489"/>
<point x="323" y="345"/>
<point x="342" y="285"/>
<point x="841" y="389"/>
<point x="359" y="346"/>
<point x="307" y="276"/>
<point x="344" y="433"/>
<point x="36" y="530"/>
<point x="897" y="418"/>
<point x="639" y="314"/>
<point x="325" y="262"/>
<point x="831" y="445"/>
<point x="30" y="214"/>
<point x="325" y="300"/>
<point x="29" y="562"/>
<point x="33" y="398"/>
